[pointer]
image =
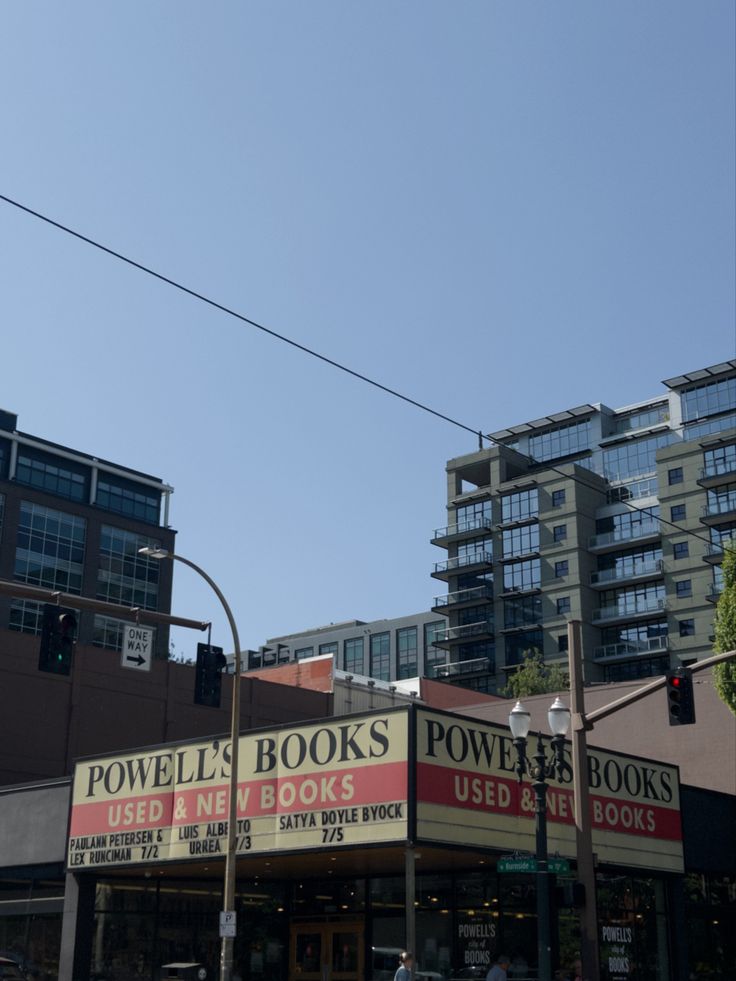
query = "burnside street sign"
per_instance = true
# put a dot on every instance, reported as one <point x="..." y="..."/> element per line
<point x="137" y="647"/>
<point x="555" y="866"/>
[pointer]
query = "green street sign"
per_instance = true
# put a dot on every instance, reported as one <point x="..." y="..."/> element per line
<point x="516" y="865"/>
<point x="555" y="866"/>
<point x="558" y="866"/>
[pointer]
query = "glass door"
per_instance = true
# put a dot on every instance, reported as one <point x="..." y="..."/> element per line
<point x="326" y="952"/>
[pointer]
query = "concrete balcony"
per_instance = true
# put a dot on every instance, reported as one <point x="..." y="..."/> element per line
<point x="635" y="611"/>
<point x="480" y="630"/>
<point x="463" y="597"/>
<point x="642" y="531"/>
<point x="714" y="553"/>
<point x="466" y="563"/>
<point x="721" y="510"/>
<point x="626" y="650"/>
<point x="714" y="473"/>
<point x="463" y="529"/>
<point x="644" y="570"/>
<point x="455" y="669"/>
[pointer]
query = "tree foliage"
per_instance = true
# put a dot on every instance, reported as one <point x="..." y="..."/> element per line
<point x="724" y="675"/>
<point x="534" y="677"/>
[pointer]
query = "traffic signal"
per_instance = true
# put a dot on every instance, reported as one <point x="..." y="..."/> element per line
<point x="208" y="678"/>
<point x="57" y="639"/>
<point x="680" y="701"/>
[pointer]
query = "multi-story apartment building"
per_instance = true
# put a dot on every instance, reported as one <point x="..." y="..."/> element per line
<point x="616" y="517"/>
<point x="74" y="523"/>
<point x="387" y="650"/>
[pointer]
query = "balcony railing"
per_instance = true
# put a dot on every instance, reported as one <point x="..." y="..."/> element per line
<point x="462" y="528"/>
<point x="642" y="529"/>
<point x="639" y="608"/>
<point x="714" y="595"/>
<point x="464" y="630"/>
<point x="630" y="648"/>
<point x="721" y="506"/>
<point x="633" y="491"/>
<point x="643" y="569"/>
<point x="476" y="594"/>
<point x="720" y="468"/>
<point x="453" y="668"/>
<point x="462" y="561"/>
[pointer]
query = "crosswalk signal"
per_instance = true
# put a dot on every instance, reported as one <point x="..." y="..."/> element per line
<point x="58" y="628"/>
<point x="208" y="678"/>
<point x="680" y="700"/>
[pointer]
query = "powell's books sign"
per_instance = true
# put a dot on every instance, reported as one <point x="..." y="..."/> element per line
<point x="345" y="782"/>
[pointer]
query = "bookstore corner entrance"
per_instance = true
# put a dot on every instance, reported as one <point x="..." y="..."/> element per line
<point x="326" y="952"/>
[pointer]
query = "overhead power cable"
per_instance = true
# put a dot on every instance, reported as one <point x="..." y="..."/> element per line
<point x="320" y="357"/>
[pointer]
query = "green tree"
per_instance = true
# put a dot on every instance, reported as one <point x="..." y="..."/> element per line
<point x="534" y="677"/>
<point x="724" y="675"/>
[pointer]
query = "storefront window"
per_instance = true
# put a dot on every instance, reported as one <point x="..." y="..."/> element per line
<point x="632" y="928"/>
<point x="30" y="924"/>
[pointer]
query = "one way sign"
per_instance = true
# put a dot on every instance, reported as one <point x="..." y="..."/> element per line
<point x="137" y="647"/>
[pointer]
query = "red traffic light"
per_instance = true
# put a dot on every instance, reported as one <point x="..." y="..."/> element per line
<point x="675" y="682"/>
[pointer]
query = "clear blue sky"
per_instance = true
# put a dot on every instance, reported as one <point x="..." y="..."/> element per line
<point x="503" y="209"/>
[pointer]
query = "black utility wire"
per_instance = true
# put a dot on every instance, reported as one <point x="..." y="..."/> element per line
<point x="321" y="357"/>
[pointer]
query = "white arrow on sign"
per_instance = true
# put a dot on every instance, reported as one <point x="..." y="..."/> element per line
<point x="137" y="647"/>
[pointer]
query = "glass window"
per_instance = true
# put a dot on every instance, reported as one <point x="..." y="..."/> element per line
<point x="717" y="579"/>
<point x="330" y="648"/>
<point x="684" y="587"/>
<point x="561" y="569"/>
<point x="678" y="512"/>
<point x="562" y="643"/>
<point x="128" y="498"/>
<point x="680" y="550"/>
<point x="53" y="475"/>
<point x="50" y="548"/>
<point x="563" y="604"/>
<point x="301" y="652"/>
<point x="574" y="437"/>
<point x="108" y="633"/>
<point x="708" y="399"/>
<point x="475" y="547"/>
<point x="722" y="499"/>
<point x="520" y="576"/>
<point x="26" y="616"/>
<point x="558" y="497"/>
<point x="687" y="628"/>
<point x="559" y="533"/>
<point x="720" y="534"/>
<point x="482" y="652"/>
<point x="520" y="506"/>
<point x="633" y="490"/>
<point x="521" y="540"/>
<point x="674" y="476"/>
<point x="720" y="460"/>
<point x="406" y="646"/>
<point x="640" y="667"/>
<point x="635" y="599"/>
<point x="629" y="524"/>
<point x="475" y="515"/>
<point x="519" y="644"/>
<point x="124" y="576"/>
<point x="433" y="655"/>
<point x="643" y="418"/>
<point x="354" y="655"/>
<point x="640" y="636"/>
<point x="634" y="562"/>
<point x="381" y="657"/>
<point x="522" y="611"/>
<point x="634" y="458"/>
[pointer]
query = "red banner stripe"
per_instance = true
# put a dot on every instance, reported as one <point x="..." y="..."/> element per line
<point x="501" y="795"/>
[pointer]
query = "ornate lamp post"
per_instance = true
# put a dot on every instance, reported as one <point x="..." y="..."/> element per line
<point x="540" y="769"/>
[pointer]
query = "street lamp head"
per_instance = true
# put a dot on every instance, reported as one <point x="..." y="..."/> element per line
<point x="559" y="718"/>
<point x="154" y="552"/>
<point x="519" y="721"/>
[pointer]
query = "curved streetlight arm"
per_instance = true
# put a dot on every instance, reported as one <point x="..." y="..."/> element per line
<point x="228" y="899"/>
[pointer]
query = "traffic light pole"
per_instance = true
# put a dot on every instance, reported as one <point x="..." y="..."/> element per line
<point x="40" y="595"/>
<point x="581" y="724"/>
